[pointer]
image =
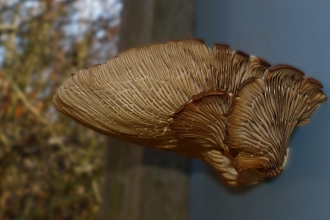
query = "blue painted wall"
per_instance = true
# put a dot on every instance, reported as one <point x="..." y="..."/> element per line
<point x="293" y="32"/>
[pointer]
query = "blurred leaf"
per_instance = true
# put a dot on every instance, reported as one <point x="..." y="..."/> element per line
<point x="50" y="167"/>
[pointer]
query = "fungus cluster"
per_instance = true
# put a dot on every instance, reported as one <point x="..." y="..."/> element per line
<point x="227" y="108"/>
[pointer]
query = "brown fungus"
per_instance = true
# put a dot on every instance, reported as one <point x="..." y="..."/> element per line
<point x="224" y="107"/>
<point x="265" y="114"/>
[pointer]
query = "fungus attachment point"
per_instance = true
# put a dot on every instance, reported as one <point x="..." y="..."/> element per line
<point x="227" y="108"/>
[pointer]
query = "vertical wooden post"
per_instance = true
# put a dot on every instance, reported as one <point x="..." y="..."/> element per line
<point x="144" y="183"/>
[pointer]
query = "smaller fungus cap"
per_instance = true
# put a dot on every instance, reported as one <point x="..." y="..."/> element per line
<point x="265" y="114"/>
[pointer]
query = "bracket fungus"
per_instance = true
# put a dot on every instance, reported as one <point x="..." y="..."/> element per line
<point x="232" y="110"/>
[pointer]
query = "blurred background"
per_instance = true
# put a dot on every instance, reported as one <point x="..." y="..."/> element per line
<point x="50" y="166"/>
<point x="54" y="168"/>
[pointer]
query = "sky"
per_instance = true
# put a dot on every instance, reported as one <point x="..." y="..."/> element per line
<point x="89" y="10"/>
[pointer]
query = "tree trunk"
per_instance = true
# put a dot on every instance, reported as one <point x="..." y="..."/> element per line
<point x="143" y="183"/>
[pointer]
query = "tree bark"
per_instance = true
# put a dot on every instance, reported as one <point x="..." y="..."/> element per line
<point x="143" y="183"/>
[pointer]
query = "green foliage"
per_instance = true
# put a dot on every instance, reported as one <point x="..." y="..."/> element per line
<point x="50" y="167"/>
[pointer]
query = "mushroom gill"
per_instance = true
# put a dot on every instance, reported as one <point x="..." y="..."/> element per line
<point x="265" y="114"/>
<point x="217" y="105"/>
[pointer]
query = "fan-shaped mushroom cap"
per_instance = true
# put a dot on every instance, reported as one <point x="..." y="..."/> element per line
<point x="201" y="127"/>
<point x="265" y="114"/>
<point x="173" y="96"/>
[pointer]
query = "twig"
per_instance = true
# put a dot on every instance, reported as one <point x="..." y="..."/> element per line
<point x="7" y="28"/>
<point x="28" y="105"/>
